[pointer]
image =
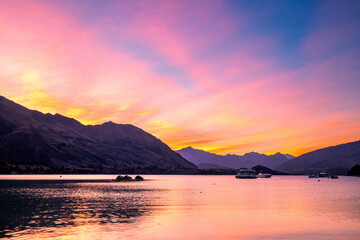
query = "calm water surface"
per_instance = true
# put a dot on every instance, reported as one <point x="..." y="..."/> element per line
<point x="178" y="207"/>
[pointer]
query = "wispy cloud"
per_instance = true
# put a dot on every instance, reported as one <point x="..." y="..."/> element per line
<point x="191" y="72"/>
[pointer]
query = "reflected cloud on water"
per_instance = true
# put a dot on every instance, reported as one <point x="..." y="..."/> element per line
<point x="180" y="207"/>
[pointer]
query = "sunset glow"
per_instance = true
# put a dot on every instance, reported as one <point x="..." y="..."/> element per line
<point x="222" y="76"/>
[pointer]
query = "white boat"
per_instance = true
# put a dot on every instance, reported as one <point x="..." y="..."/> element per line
<point x="264" y="175"/>
<point x="314" y="176"/>
<point x="246" y="174"/>
<point x="324" y="174"/>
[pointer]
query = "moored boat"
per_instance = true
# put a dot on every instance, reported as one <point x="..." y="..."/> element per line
<point x="314" y="176"/>
<point x="246" y="174"/>
<point x="324" y="174"/>
<point x="264" y="175"/>
<point x="333" y="176"/>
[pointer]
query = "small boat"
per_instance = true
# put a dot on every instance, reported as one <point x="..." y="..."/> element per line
<point x="324" y="174"/>
<point x="264" y="175"/>
<point x="246" y="174"/>
<point x="314" y="176"/>
<point x="333" y="176"/>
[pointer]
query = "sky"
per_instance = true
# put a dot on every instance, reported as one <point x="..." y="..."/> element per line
<point x="222" y="76"/>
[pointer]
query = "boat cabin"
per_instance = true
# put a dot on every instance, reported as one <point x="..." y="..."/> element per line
<point x="246" y="173"/>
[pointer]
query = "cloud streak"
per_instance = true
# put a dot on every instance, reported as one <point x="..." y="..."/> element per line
<point x="190" y="72"/>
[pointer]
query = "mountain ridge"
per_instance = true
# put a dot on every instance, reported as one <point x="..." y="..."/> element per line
<point x="248" y="160"/>
<point x="31" y="137"/>
<point x="336" y="159"/>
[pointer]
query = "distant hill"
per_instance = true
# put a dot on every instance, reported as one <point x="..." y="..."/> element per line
<point x="210" y="166"/>
<point x="32" y="138"/>
<point x="337" y="159"/>
<point x="354" y="171"/>
<point x="262" y="169"/>
<point x="247" y="160"/>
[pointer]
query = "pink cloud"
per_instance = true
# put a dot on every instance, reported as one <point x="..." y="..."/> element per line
<point x="238" y="97"/>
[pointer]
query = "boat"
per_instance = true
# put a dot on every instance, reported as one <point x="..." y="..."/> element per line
<point x="324" y="174"/>
<point x="264" y="175"/>
<point x="246" y="174"/>
<point x="314" y="176"/>
<point x="333" y="176"/>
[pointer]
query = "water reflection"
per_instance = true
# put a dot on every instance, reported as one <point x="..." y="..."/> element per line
<point x="182" y="207"/>
<point x="26" y="206"/>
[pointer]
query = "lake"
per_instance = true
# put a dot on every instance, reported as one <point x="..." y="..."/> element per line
<point x="178" y="207"/>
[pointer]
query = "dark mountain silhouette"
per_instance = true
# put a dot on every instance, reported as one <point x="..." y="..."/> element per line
<point x="262" y="169"/>
<point x="289" y="156"/>
<point x="337" y="160"/>
<point x="247" y="160"/>
<point x="33" y="138"/>
<point x="354" y="171"/>
<point x="210" y="166"/>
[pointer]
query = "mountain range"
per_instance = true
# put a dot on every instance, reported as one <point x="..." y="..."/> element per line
<point x="31" y="138"/>
<point x="335" y="159"/>
<point x="205" y="159"/>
